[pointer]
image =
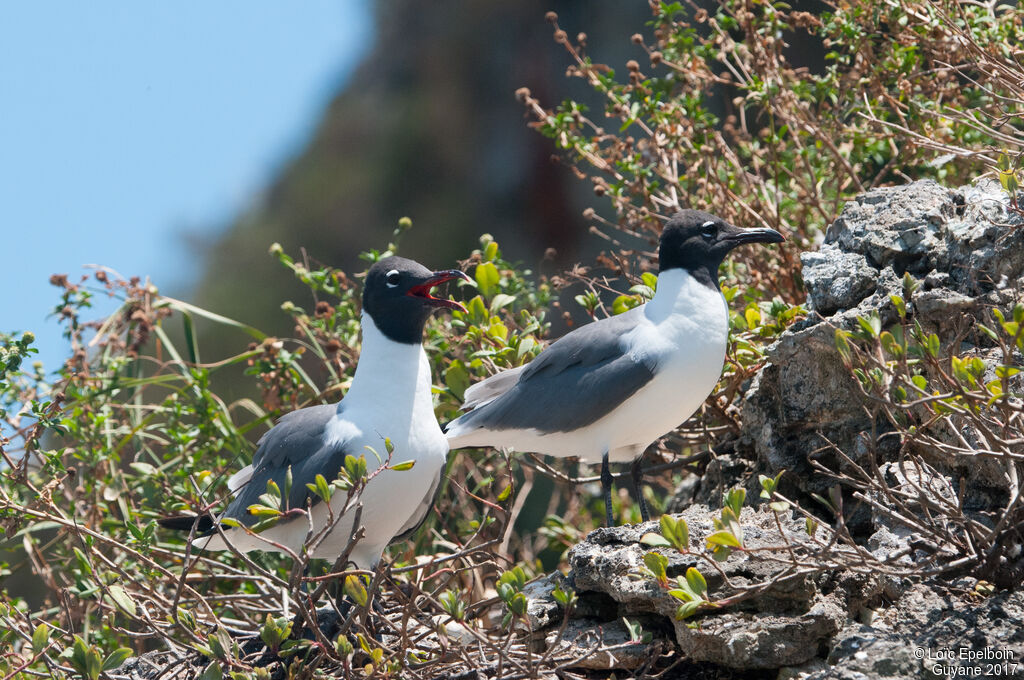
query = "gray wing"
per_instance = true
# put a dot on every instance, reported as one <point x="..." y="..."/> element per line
<point x="574" y="382"/>
<point x="297" y="440"/>
<point x="420" y="516"/>
<point x="490" y="388"/>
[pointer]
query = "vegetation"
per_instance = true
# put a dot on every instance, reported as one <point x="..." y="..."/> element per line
<point x="132" y="427"/>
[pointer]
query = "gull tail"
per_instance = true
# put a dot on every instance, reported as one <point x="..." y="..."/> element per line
<point x="202" y="523"/>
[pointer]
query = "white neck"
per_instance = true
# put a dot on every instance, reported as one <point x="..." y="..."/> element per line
<point x="391" y="375"/>
<point x="680" y="293"/>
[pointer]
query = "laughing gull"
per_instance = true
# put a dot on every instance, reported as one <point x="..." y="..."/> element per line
<point x="390" y="397"/>
<point x="607" y="390"/>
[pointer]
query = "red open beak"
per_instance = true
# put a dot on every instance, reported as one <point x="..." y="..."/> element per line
<point x="423" y="289"/>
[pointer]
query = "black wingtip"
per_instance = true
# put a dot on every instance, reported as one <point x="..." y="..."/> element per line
<point x="202" y="523"/>
<point x="444" y="426"/>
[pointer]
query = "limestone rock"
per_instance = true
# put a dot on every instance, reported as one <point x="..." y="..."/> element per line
<point x="962" y="246"/>
<point x="597" y="645"/>
<point x="785" y="624"/>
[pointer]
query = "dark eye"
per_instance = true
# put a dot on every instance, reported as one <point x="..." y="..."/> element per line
<point x="709" y="230"/>
<point x="392" y="278"/>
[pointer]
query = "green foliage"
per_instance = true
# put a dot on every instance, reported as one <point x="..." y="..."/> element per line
<point x="509" y="587"/>
<point x="636" y="631"/>
<point x="655" y="565"/>
<point x="693" y="592"/>
<point x="453" y="604"/>
<point x="769" y="486"/>
<point x="275" y="631"/>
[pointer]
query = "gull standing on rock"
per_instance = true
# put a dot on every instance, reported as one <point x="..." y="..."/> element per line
<point x="390" y="397"/>
<point x="607" y="390"/>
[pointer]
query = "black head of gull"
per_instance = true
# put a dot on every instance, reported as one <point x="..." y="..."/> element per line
<point x="397" y="296"/>
<point x="698" y="242"/>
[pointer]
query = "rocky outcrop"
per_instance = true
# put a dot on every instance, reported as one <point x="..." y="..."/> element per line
<point x="965" y="250"/>
<point x="828" y="623"/>
<point x="783" y="624"/>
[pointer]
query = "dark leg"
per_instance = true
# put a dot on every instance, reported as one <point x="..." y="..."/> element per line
<point x="606" y="487"/>
<point x="637" y="471"/>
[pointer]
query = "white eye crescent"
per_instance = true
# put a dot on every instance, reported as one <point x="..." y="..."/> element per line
<point x="392" y="278"/>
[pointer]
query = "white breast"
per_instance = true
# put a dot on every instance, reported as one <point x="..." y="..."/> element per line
<point x="389" y="398"/>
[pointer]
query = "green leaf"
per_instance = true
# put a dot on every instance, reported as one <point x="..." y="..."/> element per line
<point x="624" y="303"/>
<point x="122" y="599"/>
<point x="40" y="638"/>
<point x="500" y="301"/>
<point x="185" y="307"/>
<point x="687" y="609"/>
<point x="752" y="315"/>
<point x="871" y="325"/>
<point x="402" y="467"/>
<point x="683" y="593"/>
<point x="505" y="493"/>
<point x="477" y="310"/>
<point x="456" y="377"/>
<point x="191" y="343"/>
<point x="213" y="671"/>
<point x="518" y="604"/>
<point x="565" y="597"/>
<point x="144" y="469"/>
<point x="356" y="467"/>
<point x="890" y="345"/>
<point x="655" y="540"/>
<point x="734" y="500"/>
<point x="842" y="344"/>
<point x="93" y="664"/>
<point x="116" y="658"/>
<point x="83" y="562"/>
<point x="676" y="531"/>
<point x="723" y="538"/>
<point x="656" y="563"/>
<point x="696" y="582"/>
<point x="79" y="654"/>
<point x="487" y="278"/>
<point x="899" y="304"/>
<point x="909" y="286"/>
<point x="355" y="589"/>
<point x="1004" y="371"/>
<point x="260" y="510"/>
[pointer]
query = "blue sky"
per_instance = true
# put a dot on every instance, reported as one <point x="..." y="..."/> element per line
<point x="123" y="125"/>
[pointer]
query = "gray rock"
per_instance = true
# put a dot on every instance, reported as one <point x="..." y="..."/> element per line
<point x="915" y="637"/>
<point x="542" y="609"/>
<point x="963" y="245"/>
<point x="785" y="624"/>
<point x="597" y="645"/>
<point x="840" y="279"/>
